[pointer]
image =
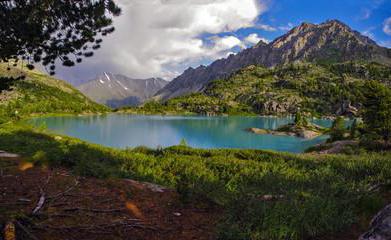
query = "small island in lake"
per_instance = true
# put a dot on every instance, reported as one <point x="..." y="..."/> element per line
<point x="299" y="128"/>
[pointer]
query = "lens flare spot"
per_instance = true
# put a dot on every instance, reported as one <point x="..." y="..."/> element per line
<point x="23" y="166"/>
<point x="134" y="210"/>
<point x="9" y="232"/>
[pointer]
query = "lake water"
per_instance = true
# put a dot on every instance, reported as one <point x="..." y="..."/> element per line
<point x="124" y="130"/>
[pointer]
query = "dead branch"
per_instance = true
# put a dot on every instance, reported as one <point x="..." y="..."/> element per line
<point x="42" y="198"/>
<point x="66" y="191"/>
<point x="40" y="203"/>
<point x="48" y="179"/>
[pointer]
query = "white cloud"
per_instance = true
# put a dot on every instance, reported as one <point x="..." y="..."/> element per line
<point x="366" y="13"/>
<point x="368" y="32"/>
<point x="224" y="44"/>
<point x="253" y="39"/>
<point x="162" y="37"/>
<point x="287" y="27"/>
<point x="266" y="27"/>
<point x="387" y="26"/>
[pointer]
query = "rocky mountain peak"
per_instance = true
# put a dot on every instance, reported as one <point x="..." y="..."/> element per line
<point x="304" y="27"/>
<point x="116" y="90"/>
<point x="335" y="22"/>
<point x="331" y="41"/>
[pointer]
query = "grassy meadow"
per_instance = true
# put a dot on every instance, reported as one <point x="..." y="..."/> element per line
<point x="40" y="94"/>
<point x="266" y="195"/>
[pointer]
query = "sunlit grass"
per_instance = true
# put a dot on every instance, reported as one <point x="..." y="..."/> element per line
<point x="300" y="188"/>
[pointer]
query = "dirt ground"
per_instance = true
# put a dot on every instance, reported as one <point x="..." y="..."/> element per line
<point x="42" y="203"/>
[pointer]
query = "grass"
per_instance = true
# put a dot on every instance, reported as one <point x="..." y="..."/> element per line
<point x="317" y="194"/>
<point x="41" y="94"/>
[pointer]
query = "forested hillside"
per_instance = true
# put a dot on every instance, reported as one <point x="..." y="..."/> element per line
<point x="319" y="89"/>
<point x="36" y="93"/>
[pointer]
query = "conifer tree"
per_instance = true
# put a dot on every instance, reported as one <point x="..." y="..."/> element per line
<point x="377" y="109"/>
<point x="337" y="129"/>
<point x="43" y="31"/>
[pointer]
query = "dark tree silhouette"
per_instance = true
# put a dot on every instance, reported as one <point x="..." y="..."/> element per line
<point x="377" y="110"/>
<point x="42" y="31"/>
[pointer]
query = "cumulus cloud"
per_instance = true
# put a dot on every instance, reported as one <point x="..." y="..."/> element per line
<point x="253" y="39"/>
<point x="162" y="37"/>
<point x="224" y="44"/>
<point x="387" y="26"/>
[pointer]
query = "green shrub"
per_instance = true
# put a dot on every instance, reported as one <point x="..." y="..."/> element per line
<point x="315" y="194"/>
<point x="337" y="130"/>
<point x="39" y="157"/>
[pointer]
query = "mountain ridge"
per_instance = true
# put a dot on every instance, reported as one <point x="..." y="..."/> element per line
<point x="331" y="41"/>
<point x="38" y="93"/>
<point x="117" y="90"/>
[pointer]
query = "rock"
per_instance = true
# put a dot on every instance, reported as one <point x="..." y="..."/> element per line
<point x="346" y="109"/>
<point x="308" y="134"/>
<point x="380" y="226"/>
<point x="293" y="131"/>
<point x="337" y="146"/>
<point x="257" y="130"/>
<point x="146" y="185"/>
<point x="4" y="154"/>
<point x="272" y="106"/>
<point x="155" y="187"/>
<point x="269" y="197"/>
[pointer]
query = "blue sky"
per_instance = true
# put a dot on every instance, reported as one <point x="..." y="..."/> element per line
<point x="365" y="16"/>
<point x="161" y="38"/>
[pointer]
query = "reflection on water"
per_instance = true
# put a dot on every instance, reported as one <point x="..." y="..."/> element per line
<point x="123" y="130"/>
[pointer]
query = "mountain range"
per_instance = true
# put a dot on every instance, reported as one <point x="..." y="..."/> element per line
<point x="328" y="42"/>
<point x="116" y="90"/>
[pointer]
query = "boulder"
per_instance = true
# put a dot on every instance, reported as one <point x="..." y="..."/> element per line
<point x="308" y="134"/>
<point x="380" y="226"/>
<point x="258" y="130"/>
<point x="4" y="154"/>
<point x="347" y="109"/>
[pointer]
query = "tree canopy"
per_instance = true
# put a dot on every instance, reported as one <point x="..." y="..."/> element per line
<point x="337" y="129"/>
<point x="42" y="31"/>
<point x="377" y="109"/>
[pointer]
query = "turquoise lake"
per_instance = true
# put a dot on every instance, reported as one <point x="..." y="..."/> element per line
<point x="125" y="130"/>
